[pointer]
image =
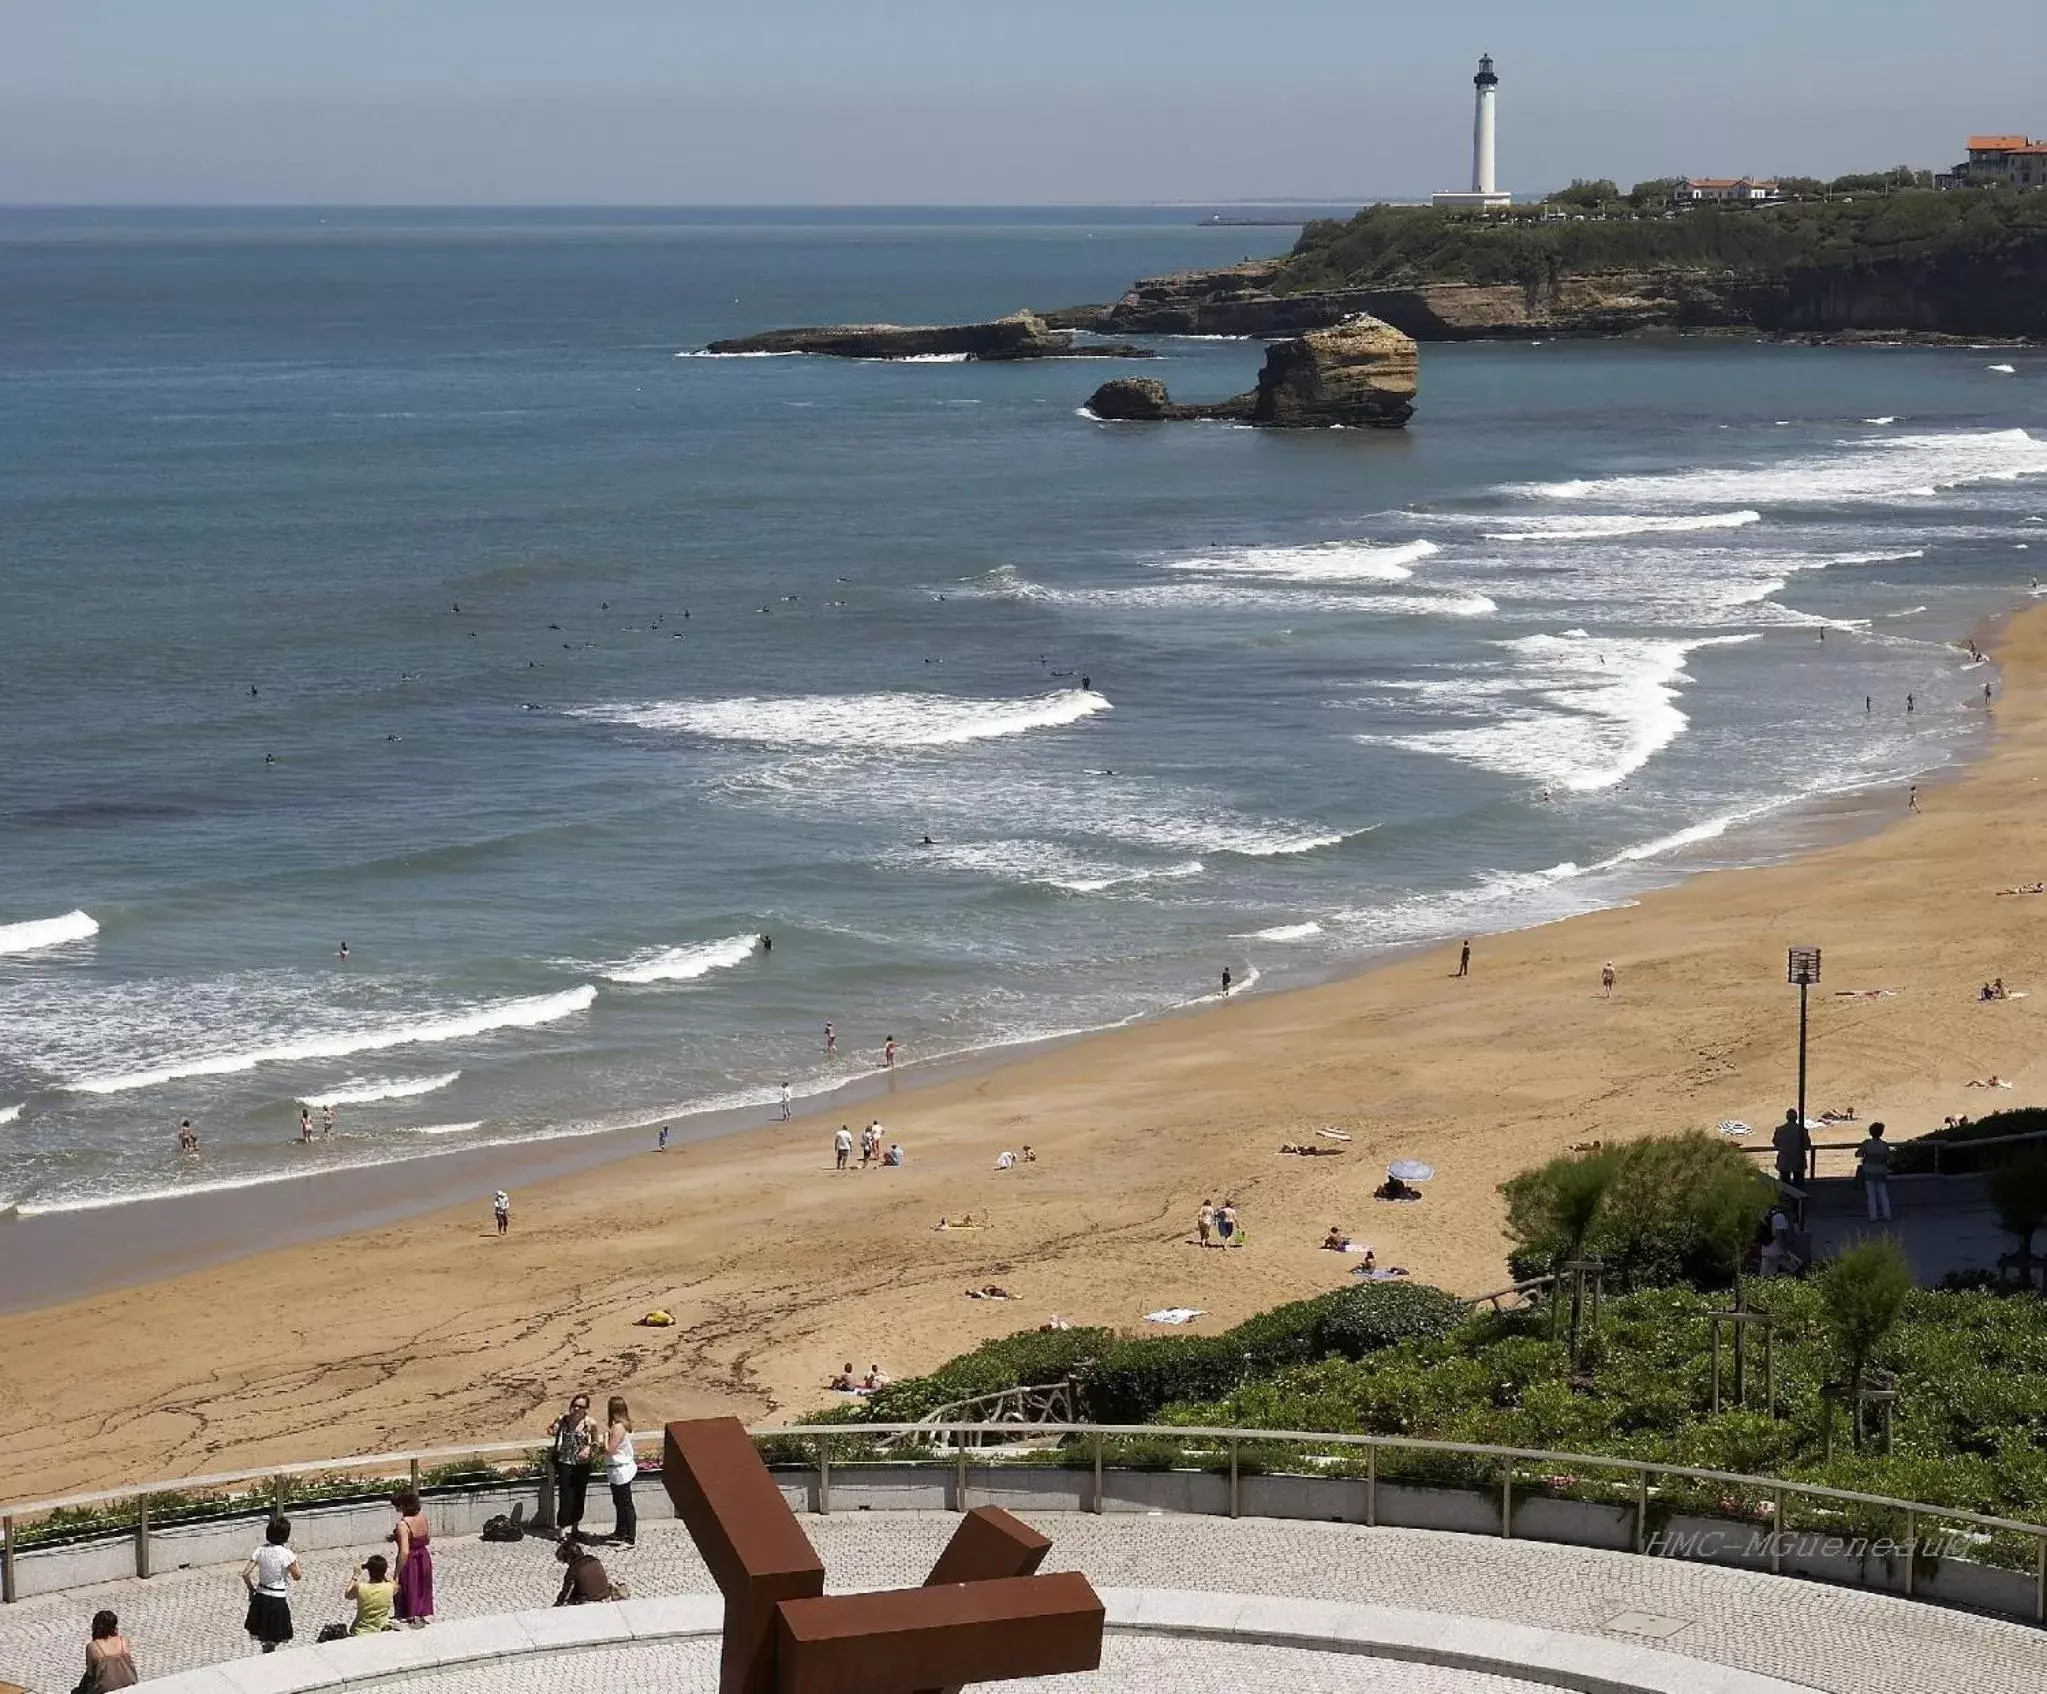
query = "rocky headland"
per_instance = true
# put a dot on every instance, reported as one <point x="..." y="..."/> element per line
<point x="1021" y="335"/>
<point x="1359" y="374"/>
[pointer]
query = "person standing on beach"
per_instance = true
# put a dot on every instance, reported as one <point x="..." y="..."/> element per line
<point x="1204" y="1221"/>
<point x="326" y="1121"/>
<point x="1464" y="960"/>
<point x="572" y="1448"/>
<point x="501" y="1208"/>
<point x="188" y="1137"/>
<point x="1606" y="978"/>
<point x="888" y="1053"/>
<point x="661" y="1140"/>
<point x="785" y="1102"/>
<point x="305" y="1123"/>
<point x="842" y="1148"/>
<point x="1912" y="799"/>
<point x="1227" y="979"/>
<point x="831" y="1042"/>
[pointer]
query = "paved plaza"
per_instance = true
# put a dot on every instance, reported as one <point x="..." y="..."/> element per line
<point x="1131" y="1664"/>
<point x="1836" y="1639"/>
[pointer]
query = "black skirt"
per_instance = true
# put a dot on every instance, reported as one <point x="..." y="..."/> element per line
<point x="269" y="1618"/>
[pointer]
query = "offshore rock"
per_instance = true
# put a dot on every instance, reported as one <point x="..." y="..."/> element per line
<point x="1357" y="374"/>
<point x="1021" y="335"/>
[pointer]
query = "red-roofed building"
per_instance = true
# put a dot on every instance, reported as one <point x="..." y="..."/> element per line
<point x="2009" y="161"/>
<point x="1737" y="190"/>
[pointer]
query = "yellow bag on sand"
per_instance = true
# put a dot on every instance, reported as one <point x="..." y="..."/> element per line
<point x="657" y="1320"/>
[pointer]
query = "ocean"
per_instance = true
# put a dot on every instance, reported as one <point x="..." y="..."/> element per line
<point x="404" y="580"/>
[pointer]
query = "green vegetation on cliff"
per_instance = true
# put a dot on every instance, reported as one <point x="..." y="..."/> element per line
<point x="1404" y="246"/>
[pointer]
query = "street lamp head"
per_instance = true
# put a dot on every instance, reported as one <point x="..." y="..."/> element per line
<point x="1802" y="969"/>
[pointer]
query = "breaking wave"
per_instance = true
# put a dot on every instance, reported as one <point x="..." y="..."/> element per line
<point x="363" y="1092"/>
<point x="505" y="1014"/>
<point x="877" y="722"/>
<point x="1600" y="528"/>
<point x="1326" y="563"/>
<point x="37" y="933"/>
<point x="682" y="964"/>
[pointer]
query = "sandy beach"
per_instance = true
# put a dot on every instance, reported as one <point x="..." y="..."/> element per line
<point x="431" y="1330"/>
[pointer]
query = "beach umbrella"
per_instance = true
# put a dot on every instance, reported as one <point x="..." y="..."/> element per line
<point x="1410" y="1170"/>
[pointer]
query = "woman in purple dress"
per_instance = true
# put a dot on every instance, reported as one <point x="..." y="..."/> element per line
<point x="415" y="1597"/>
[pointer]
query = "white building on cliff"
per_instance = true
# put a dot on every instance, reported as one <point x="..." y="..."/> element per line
<point x="1485" y="193"/>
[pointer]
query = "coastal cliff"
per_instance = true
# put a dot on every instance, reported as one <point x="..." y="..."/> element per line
<point x="1906" y="264"/>
<point x="1021" y="335"/>
<point x="1361" y="373"/>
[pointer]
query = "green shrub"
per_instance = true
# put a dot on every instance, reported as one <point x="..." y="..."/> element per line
<point x="1673" y="1209"/>
<point x="1029" y="1359"/>
<point x="1911" y="1158"/>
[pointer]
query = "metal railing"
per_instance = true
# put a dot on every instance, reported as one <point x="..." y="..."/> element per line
<point x="825" y="1437"/>
<point x="1930" y="1142"/>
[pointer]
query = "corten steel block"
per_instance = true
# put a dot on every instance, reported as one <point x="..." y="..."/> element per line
<point x="989" y="1543"/>
<point x="912" y="1638"/>
<point x="756" y="1551"/>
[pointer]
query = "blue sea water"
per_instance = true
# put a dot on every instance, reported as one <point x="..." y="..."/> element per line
<point x="402" y="579"/>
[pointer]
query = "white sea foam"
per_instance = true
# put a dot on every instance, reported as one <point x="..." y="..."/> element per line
<point x="877" y="722"/>
<point x="1880" y="421"/>
<point x="440" y="1128"/>
<point x="1243" y="594"/>
<point x="1895" y="558"/>
<point x="37" y="933"/>
<point x="1865" y="471"/>
<point x="919" y="359"/>
<point x="9" y="1113"/>
<point x="1123" y="879"/>
<point x="1582" y="712"/>
<point x="1326" y="563"/>
<point x="1619" y="524"/>
<point x="481" y="1020"/>
<point x="682" y="964"/>
<point x="1284" y="932"/>
<point x="706" y="353"/>
<point x="2003" y="370"/>
<point x="363" y="1091"/>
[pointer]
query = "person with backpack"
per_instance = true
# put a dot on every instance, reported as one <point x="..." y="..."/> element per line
<point x="574" y="1440"/>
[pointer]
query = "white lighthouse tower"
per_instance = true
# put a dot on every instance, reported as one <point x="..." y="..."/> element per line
<point x="1485" y="193"/>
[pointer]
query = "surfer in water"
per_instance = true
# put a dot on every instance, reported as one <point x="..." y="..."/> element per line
<point x="767" y="943"/>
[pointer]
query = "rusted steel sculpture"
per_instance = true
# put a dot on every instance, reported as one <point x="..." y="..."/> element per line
<point x="983" y="1614"/>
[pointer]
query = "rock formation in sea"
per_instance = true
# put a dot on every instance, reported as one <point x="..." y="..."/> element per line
<point x="1361" y="373"/>
<point x="1021" y="335"/>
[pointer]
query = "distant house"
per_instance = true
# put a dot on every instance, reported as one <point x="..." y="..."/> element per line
<point x="1721" y="190"/>
<point x="2007" y="161"/>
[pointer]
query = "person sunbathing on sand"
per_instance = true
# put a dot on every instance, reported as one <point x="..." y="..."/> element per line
<point x="1993" y="1080"/>
<point x="1394" y="1189"/>
<point x="1336" y="1241"/>
<point x="843" y="1383"/>
<point x="992" y="1291"/>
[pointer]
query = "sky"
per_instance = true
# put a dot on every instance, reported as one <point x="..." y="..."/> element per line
<point x="962" y="102"/>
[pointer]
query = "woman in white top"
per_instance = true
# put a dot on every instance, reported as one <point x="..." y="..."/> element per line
<point x="620" y="1467"/>
<point x="271" y="1571"/>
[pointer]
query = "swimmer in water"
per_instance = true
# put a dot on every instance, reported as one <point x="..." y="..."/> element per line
<point x="927" y="842"/>
<point x="343" y="954"/>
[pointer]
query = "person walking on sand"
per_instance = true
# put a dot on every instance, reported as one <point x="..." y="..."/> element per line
<point x="1606" y="978"/>
<point x="661" y="1140"/>
<point x="842" y="1147"/>
<point x="1464" y="960"/>
<point x="572" y="1450"/>
<point x="1226" y="1224"/>
<point x="269" y="1574"/>
<point x="620" y="1467"/>
<point x="415" y="1578"/>
<point x="785" y="1102"/>
<point x="108" y="1662"/>
<point x="1873" y="1165"/>
<point x="1204" y="1221"/>
<point x="1227" y="979"/>
<point x="501" y="1209"/>
<point x="1912" y="799"/>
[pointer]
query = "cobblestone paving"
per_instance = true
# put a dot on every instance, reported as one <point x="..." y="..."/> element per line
<point x="1828" y="1638"/>
<point x="1130" y="1665"/>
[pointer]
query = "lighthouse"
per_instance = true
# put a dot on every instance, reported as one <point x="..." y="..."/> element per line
<point x="1485" y="194"/>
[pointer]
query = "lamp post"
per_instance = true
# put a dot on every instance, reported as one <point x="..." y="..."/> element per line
<point x="1803" y="968"/>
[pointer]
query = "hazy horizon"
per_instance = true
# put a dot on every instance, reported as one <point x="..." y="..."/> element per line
<point x="633" y="103"/>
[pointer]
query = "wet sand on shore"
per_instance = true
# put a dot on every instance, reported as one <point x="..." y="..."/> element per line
<point x="430" y="1331"/>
